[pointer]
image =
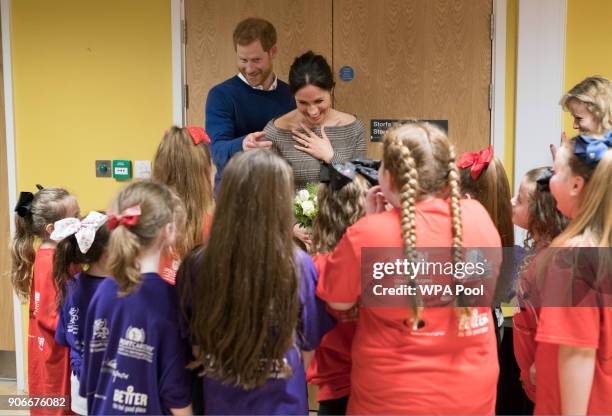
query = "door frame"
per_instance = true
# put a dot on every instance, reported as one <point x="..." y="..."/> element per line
<point x="177" y="16"/>
<point x="498" y="79"/>
<point x="9" y="116"/>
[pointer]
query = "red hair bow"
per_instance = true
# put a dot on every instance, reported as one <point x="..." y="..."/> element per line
<point x="128" y="218"/>
<point x="198" y="135"/>
<point x="477" y="160"/>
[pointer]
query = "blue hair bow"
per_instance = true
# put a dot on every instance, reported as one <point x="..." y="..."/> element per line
<point x="591" y="150"/>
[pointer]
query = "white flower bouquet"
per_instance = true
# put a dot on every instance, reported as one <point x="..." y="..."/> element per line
<point x="305" y="206"/>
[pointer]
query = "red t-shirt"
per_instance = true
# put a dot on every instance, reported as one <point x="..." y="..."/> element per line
<point x="330" y="368"/>
<point x="444" y="367"/>
<point x="579" y="326"/>
<point x="525" y="325"/>
<point x="169" y="262"/>
<point x="48" y="361"/>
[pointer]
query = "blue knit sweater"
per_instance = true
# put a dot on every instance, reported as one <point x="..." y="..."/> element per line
<point x="234" y="109"/>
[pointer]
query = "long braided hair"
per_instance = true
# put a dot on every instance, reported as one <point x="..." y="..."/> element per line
<point x="421" y="161"/>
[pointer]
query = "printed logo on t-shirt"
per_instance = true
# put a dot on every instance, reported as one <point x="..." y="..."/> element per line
<point x="110" y="367"/>
<point x="73" y="326"/>
<point x="133" y="345"/>
<point x="129" y="401"/>
<point x="477" y="323"/>
<point x="36" y="302"/>
<point x="41" y="343"/>
<point x="99" y="338"/>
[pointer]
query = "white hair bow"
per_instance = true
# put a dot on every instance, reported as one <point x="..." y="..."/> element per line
<point x="84" y="231"/>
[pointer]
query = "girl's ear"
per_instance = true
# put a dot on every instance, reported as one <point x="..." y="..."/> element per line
<point x="169" y="233"/>
<point x="49" y="229"/>
<point x="577" y="184"/>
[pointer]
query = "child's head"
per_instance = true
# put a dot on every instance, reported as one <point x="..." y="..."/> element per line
<point x="247" y="305"/>
<point x="418" y="163"/>
<point x="590" y="104"/>
<point x="183" y="163"/>
<point x="581" y="187"/>
<point x="144" y="218"/>
<point x="535" y="210"/>
<point x="483" y="178"/>
<point x="34" y="219"/>
<point x="338" y="209"/>
<point x="78" y="242"/>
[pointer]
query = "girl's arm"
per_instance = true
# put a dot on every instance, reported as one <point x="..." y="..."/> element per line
<point x="307" y="357"/>
<point x="340" y="306"/>
<point x="576" y="369"/>
<point x="185" y="411"/>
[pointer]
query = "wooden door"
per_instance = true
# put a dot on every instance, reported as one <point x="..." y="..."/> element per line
<point x="416" y="59"/>
<point x="209" y="52"/>
<point x="7" y="330"/>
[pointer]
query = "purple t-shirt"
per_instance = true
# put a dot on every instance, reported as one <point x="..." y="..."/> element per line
<point x="71" y="324"/>
<point x="134" y="355"/>
<point x="281" y="395"/>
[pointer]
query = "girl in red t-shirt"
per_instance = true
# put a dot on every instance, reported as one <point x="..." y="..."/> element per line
<point x="341" y="202"/>
<point x="418" y="360"/>
<point x="32" y="277"/>
<point x="535" y="210"/>
<point x="183" y="162"/>
<point x="573" y="366"/>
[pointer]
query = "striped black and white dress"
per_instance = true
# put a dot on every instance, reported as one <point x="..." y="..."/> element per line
<point x="348" y="142"/>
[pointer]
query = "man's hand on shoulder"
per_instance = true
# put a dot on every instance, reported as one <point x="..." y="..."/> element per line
<point x="256" y="140"/>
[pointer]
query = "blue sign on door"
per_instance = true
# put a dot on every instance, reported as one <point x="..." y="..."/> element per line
<point x="347" y="73"/>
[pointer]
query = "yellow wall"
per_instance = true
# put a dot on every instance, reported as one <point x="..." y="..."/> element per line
<point x="92" y="80"/>
<point x="588" y="40"/>
<point x="510" y="117"/>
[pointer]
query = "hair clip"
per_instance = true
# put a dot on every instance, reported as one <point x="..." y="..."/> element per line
<point x="337" y="175"/>
<point x="590" y="150"/>
<point x="340" y="174"/>
<point x="198" y="135"/>
<point x="543" y="181"/>
<point x="23" y="208"/>
<point x="39" y="187"/>
<point x="478" y="161"/>
<point x="83" y="230"/>
<point x="368" y="163"/>
<point x="370" y="174"/>
<point x="128" y="218"/>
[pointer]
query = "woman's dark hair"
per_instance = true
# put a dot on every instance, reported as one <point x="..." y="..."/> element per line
<point x="310" y="69"/>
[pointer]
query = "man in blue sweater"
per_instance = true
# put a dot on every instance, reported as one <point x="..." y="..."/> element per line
<point x="239" y="108"/>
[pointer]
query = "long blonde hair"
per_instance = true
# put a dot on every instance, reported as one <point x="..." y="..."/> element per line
<point x="49" y="205"/>
<point x="594" y="218"/>
<point x="159" y="206"/>
<point x="596" y="93"/>
<point x="421" y="161"/>
<point x="187" y="169"/>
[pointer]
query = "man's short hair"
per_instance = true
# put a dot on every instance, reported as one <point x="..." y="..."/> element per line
<point x="252" y="29"/>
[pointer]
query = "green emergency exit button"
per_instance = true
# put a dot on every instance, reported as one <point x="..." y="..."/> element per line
<point x="122" y="169"/>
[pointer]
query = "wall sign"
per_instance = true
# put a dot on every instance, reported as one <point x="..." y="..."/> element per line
<point x="347" y="73"/>
<point x="378" y="127"/>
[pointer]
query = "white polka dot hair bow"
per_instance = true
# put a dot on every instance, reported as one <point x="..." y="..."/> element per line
<point x="83" y="230"/>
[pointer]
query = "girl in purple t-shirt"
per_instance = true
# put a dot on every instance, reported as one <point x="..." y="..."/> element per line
<point x="135" y="356"/>
<point x="78" y="242"/>
<point x="249" y="295"/>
